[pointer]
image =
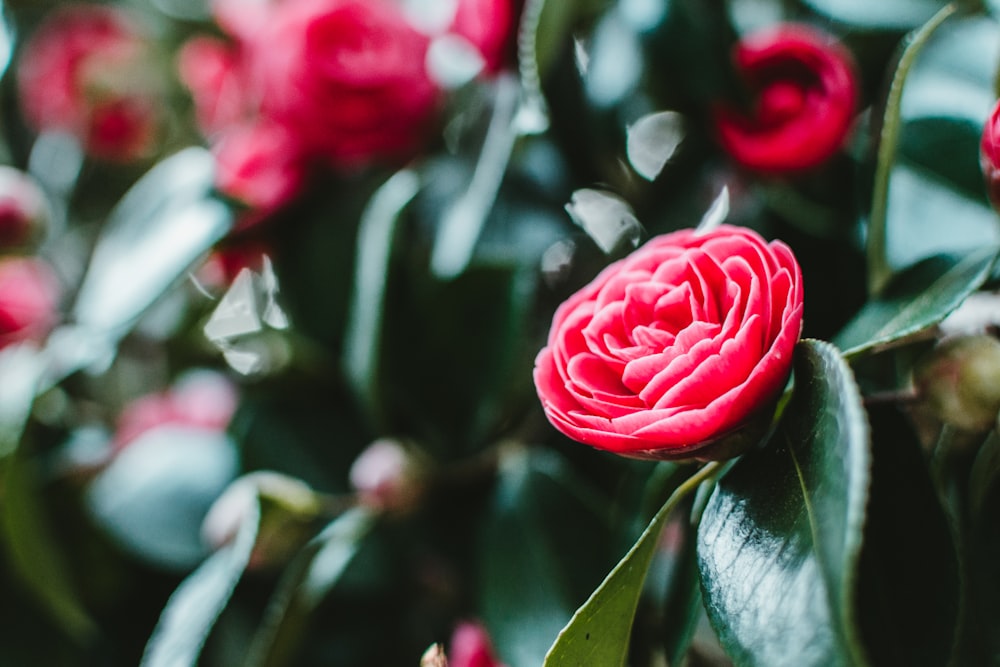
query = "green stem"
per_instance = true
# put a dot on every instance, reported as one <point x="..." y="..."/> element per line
<point x="879" y="270"/>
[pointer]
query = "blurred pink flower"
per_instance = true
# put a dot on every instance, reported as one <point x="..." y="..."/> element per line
<point x="24" y="210"/>
<point x="201" y="399"/>
<point x="29" y="296"/>
<point x="86" y="71"/>
<point x="471" y="647"/>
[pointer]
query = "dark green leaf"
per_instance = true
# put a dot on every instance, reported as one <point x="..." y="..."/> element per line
<point x="915" y="301"/>
<point x="947" y="147"/>
<point x="780" y="540"/>
<point x="881" y="15"/>
<point x="376" y="235"/>
<point x="600" y="630"/>
<point x="34" y="553"/>
<point x="528" y="588"/>
<point x="304" y="583"/>
<point x="908" y="585"/>
<point x="194" y="607"/>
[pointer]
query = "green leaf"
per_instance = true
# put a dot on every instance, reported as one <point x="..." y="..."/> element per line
<point x="908" y="592"/>
<point x="192" y="610"/>
<point x="527" y="588"/>
<point x="34" y="554"/>
<point x="915" y="301"/>
<point x="949" y="148"/>
<point x="599" y="632"/>
<point x="303" y="585"/>
<point x="376" y="235"/>
<point x="879" y="271"/>
<point x="881" y="15"/>
<point x="780" y="539"/>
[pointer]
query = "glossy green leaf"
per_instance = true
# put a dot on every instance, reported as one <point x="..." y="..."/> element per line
<point x="194" y="607"/>
<point x="599" y="632"/>
<point x="780" y="539"/>
<point x="949" y="148"/>
<point x="879" y="270"/>
<point x="915" y="301"/>
<point x="881" y="15"/>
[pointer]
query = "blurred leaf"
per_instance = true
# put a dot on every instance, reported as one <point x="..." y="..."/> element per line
<point x="194" y="607"/>
<point x="949" y="148"/>
<point x="607" y="218"/>
<point x="162" y="225"/>
<point x="599" y="632"/>
<point x="881" y="15"/>
<point x="21" y="367"/>
<point x="155" y="494"/>
<point x="376" y="234"/>
<point x="916" y="300"/>
<point x="909" y="577"/>
<point x="527" y="588"/>
<point x="652" y="140"/>
<point x="879" y="270"/>
<point x="304" y="584"/>
<point x="780" y="539"/>
<point x="34" y="553"/>
<point x="463" y="219"/>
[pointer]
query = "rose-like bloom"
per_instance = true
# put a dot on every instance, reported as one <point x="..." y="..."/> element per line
<point x="86" y="71"/>
<point x="200" y="399"/>
<point x="989" y="156"/>
<point x="804" y="93"/>
<point x="471" y="647"/>
<point x="29" y="296"/>
<point x="348" y="76"/>
<point x="682" y="342"/>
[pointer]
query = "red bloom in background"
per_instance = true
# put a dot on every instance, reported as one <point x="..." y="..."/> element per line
<point x="349" y="77"/>
<point x="202" y="399"/>
<point x="212" y="70"/>
<point x="29" y="296"/>
<point x="989" y="156"/>
<point x="675" y="346"/>
<point x="262" y="165"/>
<point x="804" y="93"/>
<point x="487" y="24"/>
<point x="86" y="71"/>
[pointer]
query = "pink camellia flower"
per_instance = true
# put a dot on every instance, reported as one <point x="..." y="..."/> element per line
<point x="29" y="297"/>
<point x="471" y="647"/>
<point x="201" y="399"/>
<point x="86" y="71"/>
<point x="989" y="156"/>
<point x="348" y="76"/>
<point x="675" y="346"/>
<point x="804" y="93"/>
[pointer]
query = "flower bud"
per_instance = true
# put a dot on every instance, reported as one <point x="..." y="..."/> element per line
<point x="288" y="510"/>
<point x="87" y="71"/>
<point x="24" y="209"/>
<point x="471" y="647"/>
<point x="386" y="476"/>
<point x="959" y="382"/>
<point x="29" y="295"/>
<point x="989" y="156"/>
